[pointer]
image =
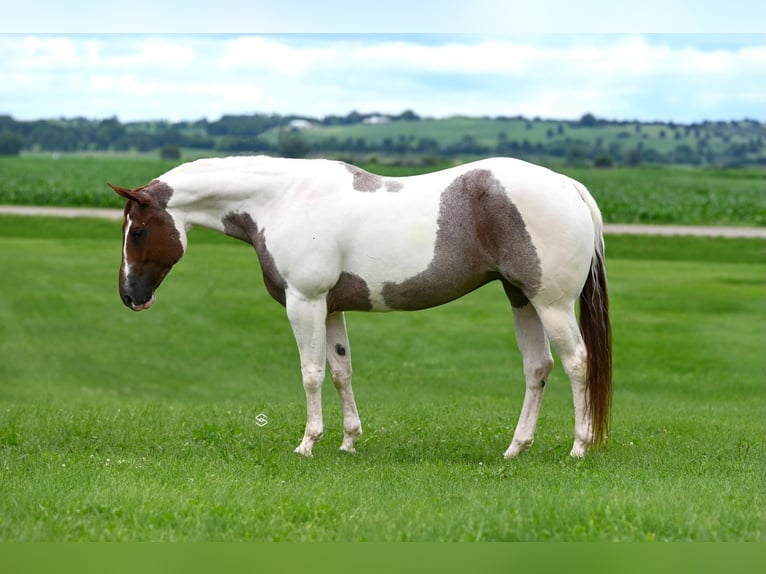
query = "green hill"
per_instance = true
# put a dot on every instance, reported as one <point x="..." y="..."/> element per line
<point x="407" y="138"/>
<point x="584" y="141"/>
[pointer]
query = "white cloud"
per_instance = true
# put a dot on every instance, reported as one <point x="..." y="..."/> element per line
<point x="279" y="57"/>
<point x="621" y="76"/>
<point x="35" y="52"/>
<point x="55" y="53"/>
<point x="165" y="53"/>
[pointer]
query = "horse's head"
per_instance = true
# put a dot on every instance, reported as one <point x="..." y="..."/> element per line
<point x="152" y="243"/>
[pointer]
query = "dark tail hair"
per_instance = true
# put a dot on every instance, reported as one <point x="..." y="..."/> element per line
<point x="597" y="334"/>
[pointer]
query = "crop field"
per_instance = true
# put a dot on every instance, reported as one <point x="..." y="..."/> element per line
<point x="678" y="195"/>
<point x="178" y="423"/>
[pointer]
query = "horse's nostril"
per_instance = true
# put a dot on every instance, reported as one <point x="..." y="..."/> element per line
<point x="127" y="300"/>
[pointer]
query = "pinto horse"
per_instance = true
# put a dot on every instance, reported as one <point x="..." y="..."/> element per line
<point x="331" y="237"/>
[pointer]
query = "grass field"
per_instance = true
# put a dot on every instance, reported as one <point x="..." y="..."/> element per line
<point x="678" y="195"/>
<point x="123" y="426"/>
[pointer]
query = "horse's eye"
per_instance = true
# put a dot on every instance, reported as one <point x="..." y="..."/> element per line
<point x="138" y="234"/>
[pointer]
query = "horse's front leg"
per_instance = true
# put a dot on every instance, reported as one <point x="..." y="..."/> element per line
<point x="339" y="359"/>
<point x="307" y="318"/>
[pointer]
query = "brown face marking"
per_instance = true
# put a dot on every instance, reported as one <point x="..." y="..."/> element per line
<point x="152" y="245"/>
<point x="366" y="181"/>
<point x="350" y="293"/>
<point x="481" y="237"/>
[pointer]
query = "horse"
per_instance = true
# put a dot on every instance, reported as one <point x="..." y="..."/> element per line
<point x="331" y="238"/>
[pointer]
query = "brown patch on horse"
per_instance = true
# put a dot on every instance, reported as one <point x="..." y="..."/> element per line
<point x="481" y="237"/>
<point x="152" y="245"/>
<point x="243" y="227"/>
<point x="393" y="186"/>
<point x="350" y="293"/>
<point x="366" y="181"/>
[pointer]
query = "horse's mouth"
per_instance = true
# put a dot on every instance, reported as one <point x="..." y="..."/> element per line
<point x="143" y="306"/>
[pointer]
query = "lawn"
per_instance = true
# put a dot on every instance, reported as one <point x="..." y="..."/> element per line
<point x="123" y="426"/>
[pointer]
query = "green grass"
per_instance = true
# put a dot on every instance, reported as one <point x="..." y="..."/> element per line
<point x="682" y="195"/>
<point x="123" y="426"/>
<point x="73" y="180"/>
<point x="678" y="195"/>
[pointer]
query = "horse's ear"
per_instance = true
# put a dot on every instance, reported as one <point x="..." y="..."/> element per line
<point x="138" y="195"/>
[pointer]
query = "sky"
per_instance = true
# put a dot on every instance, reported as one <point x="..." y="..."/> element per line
<point x="314" y="59"/>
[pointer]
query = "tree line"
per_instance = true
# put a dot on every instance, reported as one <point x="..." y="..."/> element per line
<point x="710" y="143"/>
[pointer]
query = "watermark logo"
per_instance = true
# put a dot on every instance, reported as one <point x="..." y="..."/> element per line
<point x="261" y="419"/>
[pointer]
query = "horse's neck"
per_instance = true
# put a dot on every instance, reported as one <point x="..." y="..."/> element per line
<point x="207" y="190"/>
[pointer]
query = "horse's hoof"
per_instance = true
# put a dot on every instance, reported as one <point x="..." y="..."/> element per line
<point x="578" y="451"/>
<point x="516" y="449"/>
<point x="304" y="451"/>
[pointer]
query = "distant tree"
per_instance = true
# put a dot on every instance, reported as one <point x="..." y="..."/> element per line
<point x="685" y="154"/>
<point x="603" y="160"/>
<point x="108" y="132"/>
<point x="468" y="144"/>
<point x="633" y="157"/>
<point x="291" y="144"/>
<point x="10" y="144"/>
<point x="427" y="146"/>
<point x="503" y="145"/>
<point x="353" y="118"/>
<point x="200" y="142"/>
<point x="588" y="120"/>
<point x="170" y="152"/>
<point x="575" y="153"/>
<point x="408" y="116"/>
<point x="242" y="144"/>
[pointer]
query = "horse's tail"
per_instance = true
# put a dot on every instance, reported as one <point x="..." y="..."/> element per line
<point x="596" y="329"/>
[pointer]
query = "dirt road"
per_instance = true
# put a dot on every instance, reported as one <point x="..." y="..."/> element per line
<point x="614" y="228"/>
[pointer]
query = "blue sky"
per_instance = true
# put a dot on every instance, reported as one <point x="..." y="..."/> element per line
<point x="542" y="59"/>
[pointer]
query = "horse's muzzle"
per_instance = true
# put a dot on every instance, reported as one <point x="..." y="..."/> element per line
<point x="133" y="304"/>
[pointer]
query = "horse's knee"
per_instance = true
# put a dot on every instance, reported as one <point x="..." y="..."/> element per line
<point x="341" y="378"/>
<point x="313" y="377"/>
<point x="536" y="373"/>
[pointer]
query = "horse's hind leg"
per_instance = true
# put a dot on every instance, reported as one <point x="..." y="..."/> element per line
<point x="339" y="359"/>
<point x="561" y="327"/>
<point x="538" y="363"/>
